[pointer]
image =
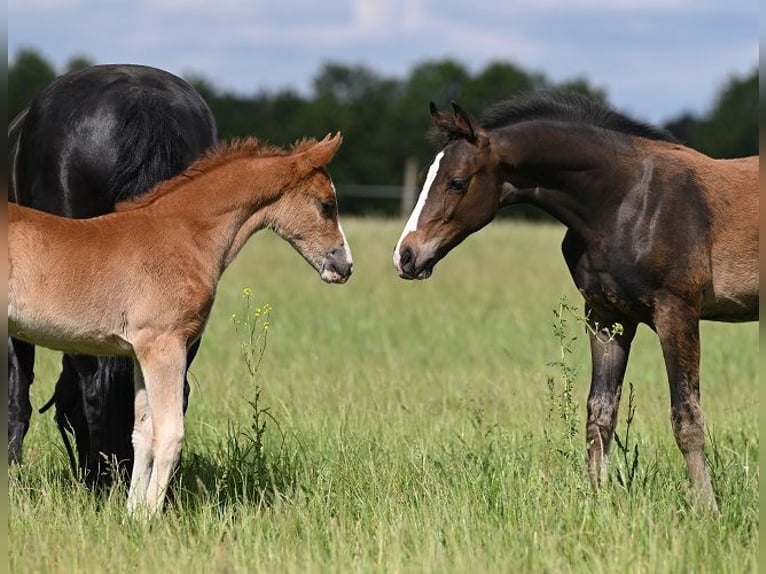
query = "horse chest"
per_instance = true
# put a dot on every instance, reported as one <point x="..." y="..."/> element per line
<point x="607" y="289"/>
<point x="605" y="296"/>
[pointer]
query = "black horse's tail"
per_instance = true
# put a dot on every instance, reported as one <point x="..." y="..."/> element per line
<point x="157" y="144"/>
<point x="64" y="429"/>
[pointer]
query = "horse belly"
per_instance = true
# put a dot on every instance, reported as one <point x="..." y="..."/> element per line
<point x="57" y="314"/>
<point x="59" y="330"/>
<point x="733" y="291"/>
<point x="732" y="294"/>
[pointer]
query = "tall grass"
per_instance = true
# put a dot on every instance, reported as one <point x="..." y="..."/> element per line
<point x="406" y="427"/>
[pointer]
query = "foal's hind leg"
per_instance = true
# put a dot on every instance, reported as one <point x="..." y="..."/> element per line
<point x="21" y="362"/>
<point x="677" y="325"/>
<point x="163" y="366"/>
<point x="609" y="358"/>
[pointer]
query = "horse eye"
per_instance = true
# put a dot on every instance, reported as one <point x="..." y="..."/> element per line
<point x="328" y="208"/>
<point x="458" y="184"/>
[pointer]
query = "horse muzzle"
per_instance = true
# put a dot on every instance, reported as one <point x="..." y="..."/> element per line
<point x="336" y="266"/>
<point x="410" y="267"/>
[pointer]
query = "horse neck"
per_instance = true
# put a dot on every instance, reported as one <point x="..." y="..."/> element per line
<point x="571" y="172"/>
<point x="224" y="207"/>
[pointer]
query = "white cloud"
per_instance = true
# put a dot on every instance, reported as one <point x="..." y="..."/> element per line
<point x="628" y="46"/>
<point x="36" y="5"/>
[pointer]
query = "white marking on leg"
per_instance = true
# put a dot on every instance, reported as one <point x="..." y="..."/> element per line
<point x="412" y="222"/>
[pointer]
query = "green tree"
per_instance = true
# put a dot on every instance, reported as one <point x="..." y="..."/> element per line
<point x="344" y="84"/>
<point x="79" y="62"/>
<point x="496" y="82"/>
<point x="731" y="128"/>
<point x="29" y="73"/>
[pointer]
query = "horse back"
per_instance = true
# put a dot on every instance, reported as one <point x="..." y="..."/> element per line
<point x="104" y="134"/>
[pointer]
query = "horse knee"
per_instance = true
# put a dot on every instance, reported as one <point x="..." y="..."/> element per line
<point x="143" y="432"/>
<point x="688" y="427"/>
<point x="168" y="444"/>
<point x="602" y="417"/>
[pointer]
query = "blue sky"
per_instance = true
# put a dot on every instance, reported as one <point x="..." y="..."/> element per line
<point x="655" y="58"/>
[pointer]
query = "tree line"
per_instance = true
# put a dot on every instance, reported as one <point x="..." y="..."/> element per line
<point x="385" y="120"/>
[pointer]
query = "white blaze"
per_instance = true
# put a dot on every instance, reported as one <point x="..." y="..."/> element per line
<point x="347" y="247"/>
<point x="412" y="222"/>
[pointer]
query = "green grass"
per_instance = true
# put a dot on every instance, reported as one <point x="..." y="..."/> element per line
<point x="408" y="434"/>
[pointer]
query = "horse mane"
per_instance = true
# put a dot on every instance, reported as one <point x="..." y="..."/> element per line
<point x="220" y="154"/>
<point x="570" y="107"/>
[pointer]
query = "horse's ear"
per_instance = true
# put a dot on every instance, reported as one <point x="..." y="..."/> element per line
<point x="435" y="113"/>
<point x="444" y="122"/>
<point x="459" y="125"/>
<point x="466" y="125"/>
<point x="320" y="154"/>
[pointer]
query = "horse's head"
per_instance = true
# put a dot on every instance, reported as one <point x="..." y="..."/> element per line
<point x="461" y="194"/>
<point x="308" y="213"/>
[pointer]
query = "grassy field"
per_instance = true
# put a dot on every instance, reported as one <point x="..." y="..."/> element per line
<point x="409" y="428"/>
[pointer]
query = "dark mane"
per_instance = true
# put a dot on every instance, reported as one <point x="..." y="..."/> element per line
<point x="567" y="106"/>
<point x="219" y="154"/>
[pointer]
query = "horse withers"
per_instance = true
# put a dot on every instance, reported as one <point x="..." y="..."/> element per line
<point x="90" y="139"/>
<point x="140" y="282"/>
<point x="657" y="233"/>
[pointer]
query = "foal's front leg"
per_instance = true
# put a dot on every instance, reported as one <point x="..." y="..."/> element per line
<point x="609" y="359"/>
<point x="163" y="366"/>
<point x="677" y="325"/>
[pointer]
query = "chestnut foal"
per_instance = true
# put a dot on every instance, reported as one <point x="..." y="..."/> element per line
<point x="140" y="282"/>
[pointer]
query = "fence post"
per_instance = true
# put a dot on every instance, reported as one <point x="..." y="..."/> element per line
<point x="408" y="187"/>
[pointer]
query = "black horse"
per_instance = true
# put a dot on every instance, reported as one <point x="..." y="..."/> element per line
<point x="90" y="139"/>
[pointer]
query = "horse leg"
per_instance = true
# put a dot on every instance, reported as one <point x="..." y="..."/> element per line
<point x="69" y="412"/>
<point x="191" y="353"/>
<point x="110" y="418"/>
<point x="21" y="362"/>
<point x="609" y="359"/>
<point x="101" y="416"/>
<point x="677" y="325"/>
<point x="142" y="443"/>
<point x="164" y="366"/>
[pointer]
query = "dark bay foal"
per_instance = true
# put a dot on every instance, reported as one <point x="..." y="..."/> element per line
<point x="657" y="233"/>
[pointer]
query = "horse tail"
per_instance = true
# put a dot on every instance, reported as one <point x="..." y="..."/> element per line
<point x="158" y="141"/>
<point x="64" y="427"/>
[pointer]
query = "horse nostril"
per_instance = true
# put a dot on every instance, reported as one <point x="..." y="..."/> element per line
<point x="338" y="261"/>
<point x="405" y="256"/>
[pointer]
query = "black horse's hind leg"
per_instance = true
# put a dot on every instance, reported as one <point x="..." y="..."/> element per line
<point x="609" y="359"/>
<point x="91" y="398"/>
<point x="91" y="395"/>
<point x="21" y="362"/>
<point x="190" y="354"/>
<point x="677" y="325"/>
<point x="69" y="411"/>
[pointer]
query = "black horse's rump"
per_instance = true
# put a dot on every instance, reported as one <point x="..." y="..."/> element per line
<point x="90" y="139"/>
